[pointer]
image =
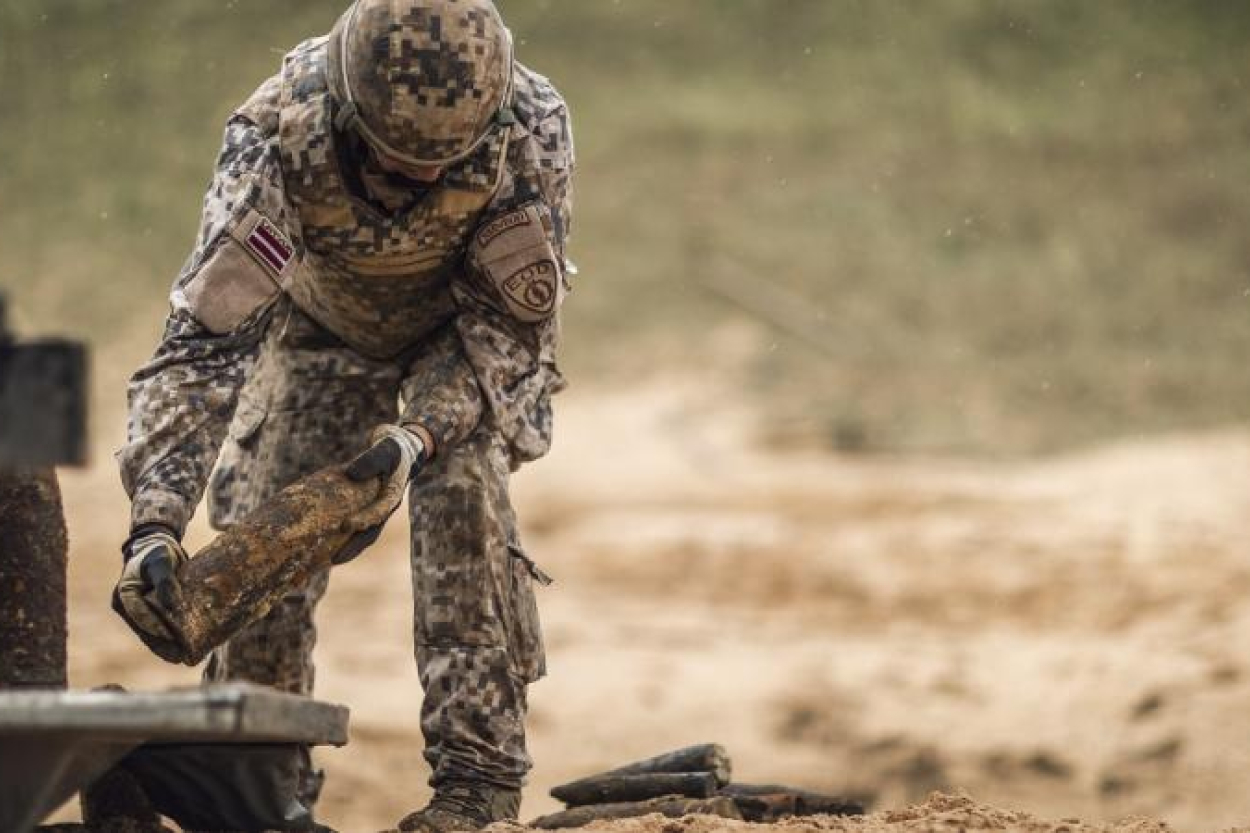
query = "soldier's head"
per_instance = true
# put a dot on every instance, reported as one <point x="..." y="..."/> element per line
<point x="423" y="82"/>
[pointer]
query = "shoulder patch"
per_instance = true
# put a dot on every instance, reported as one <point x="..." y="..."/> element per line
<point x="241" y="276"/>
<point x="492" y="231"/>
<point x="270" y="247"/>
<point x="533" y="290"/>
<point x="514" y="253"/>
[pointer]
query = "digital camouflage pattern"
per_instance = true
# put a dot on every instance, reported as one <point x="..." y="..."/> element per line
<point x="301" y="379"/>
<point x="479" y="364"/>
<point x="378" y="280"/>
<point x="426" y="77"/>
<point x="276" y="650"/>
<point x="476" y="627"/>
<point x="310" y="402"/>
<point x="182" y="400"/>
<point x="478" y="641"/>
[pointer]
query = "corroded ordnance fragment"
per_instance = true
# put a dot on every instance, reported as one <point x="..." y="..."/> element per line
<point x="672" y="807"/>
<point x="705" y="757"/>
<point x="612" y="789"/>
<point x="234" y="580"/>
<point x="772" y="802"/>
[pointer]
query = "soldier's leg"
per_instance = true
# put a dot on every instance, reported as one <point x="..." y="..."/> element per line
<point x="311" y="403"/>
<point x="276" y="650"/>
<point x="478" y="643"/>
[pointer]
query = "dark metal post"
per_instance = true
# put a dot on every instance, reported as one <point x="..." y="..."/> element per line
<point x="42" y="424"/>
<point x="33" y="560"/>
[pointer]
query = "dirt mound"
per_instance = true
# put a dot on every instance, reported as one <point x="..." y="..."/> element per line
<point x="939" y="814"/>
<point x="1064" y="636"/>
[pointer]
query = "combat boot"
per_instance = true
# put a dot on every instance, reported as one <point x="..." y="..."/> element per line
<point x="463" y="805"/>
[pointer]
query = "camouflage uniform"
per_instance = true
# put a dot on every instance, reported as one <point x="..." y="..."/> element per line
<point x="322" y="299"/>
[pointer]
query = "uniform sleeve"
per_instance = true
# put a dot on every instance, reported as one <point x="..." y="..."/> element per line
<point x="496" y="360"/>
<point x="182" y="400"/>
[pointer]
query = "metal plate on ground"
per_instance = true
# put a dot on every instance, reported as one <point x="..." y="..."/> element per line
<point x="53" y="743"/>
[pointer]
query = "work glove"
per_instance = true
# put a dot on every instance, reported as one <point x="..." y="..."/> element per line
<point x="394" y="458"/>
<point x="152" y="556"/>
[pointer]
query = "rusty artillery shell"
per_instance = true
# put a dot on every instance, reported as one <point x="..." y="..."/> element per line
<point x="235" y="579"/>
<point x="766" y="803"/>
<point x="616" y="789"/>
<point x="706" y="757"/>
<point x="33" y="556"/>
<point x="672" y="807"/>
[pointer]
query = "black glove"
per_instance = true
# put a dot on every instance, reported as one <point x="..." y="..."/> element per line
<point x="394" y="459"/>
<point x="149" y="580"/>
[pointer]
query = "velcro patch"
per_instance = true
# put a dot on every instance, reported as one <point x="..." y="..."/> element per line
<point x="502" y="225"/>
<point x="534" y="288"/>
<point x="270" y="247"/>
<point x="229" y="287"/>
<point x="514" y="252"/>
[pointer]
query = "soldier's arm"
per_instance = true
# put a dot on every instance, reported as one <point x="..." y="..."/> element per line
<point x="182" y="400"/>
<point x="496" y="360"/>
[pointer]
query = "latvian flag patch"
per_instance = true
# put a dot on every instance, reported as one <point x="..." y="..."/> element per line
<point x="270" y="246"/>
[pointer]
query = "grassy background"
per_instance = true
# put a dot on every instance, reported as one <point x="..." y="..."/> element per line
<point x="1003" y="226"/>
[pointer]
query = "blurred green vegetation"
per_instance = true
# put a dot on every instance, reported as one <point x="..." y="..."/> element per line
<point x="1015" y="226"/>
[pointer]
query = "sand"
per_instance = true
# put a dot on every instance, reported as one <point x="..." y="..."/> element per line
<point x="1063" y="636"/>
<point x="941" y="813"/>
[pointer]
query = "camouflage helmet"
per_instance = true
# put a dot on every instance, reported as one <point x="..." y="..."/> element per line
<point x="422" y="81"/>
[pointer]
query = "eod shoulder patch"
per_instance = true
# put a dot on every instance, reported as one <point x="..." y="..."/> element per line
<point x="514" y="253"/>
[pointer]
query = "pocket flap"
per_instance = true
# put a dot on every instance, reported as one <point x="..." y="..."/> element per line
<point x="531" y="567"/>
<point x="248" y="420"/>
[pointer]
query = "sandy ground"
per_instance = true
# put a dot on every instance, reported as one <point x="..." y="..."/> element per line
<point x="938" y="814"/>
<point x="1064" y="636"/>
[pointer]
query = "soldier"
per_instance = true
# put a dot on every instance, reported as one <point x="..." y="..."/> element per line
<point x="378" y="273"/>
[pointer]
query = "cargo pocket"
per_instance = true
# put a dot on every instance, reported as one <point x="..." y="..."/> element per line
<point x="524" y="630"/>
<point x="229" y="498"/>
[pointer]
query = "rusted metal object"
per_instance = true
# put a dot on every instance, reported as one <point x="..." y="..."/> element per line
<point x="773" y="802"/>
<point x="33" y="555"/>
<point x="612" y="789"/>
<point x="43" y="395"/>
<point x="721" y="806"/>
<point x="690" y="780"/>
<point x="236" y="579"/>
<point x="704" y="758"/>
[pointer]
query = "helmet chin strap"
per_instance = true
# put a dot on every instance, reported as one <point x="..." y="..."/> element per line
<point x="348" y="116"/>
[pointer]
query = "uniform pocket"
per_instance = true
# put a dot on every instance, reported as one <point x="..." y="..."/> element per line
<point x="248" y="420"/>
<point x="230" y="486"/>
<point x="524" y="628"/>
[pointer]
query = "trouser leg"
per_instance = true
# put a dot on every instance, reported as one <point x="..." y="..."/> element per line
<point x="277" y="649"/>
<point x="478" y="644"/>
<point x="473" y="716"/>
<point x="310" y="404"/>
